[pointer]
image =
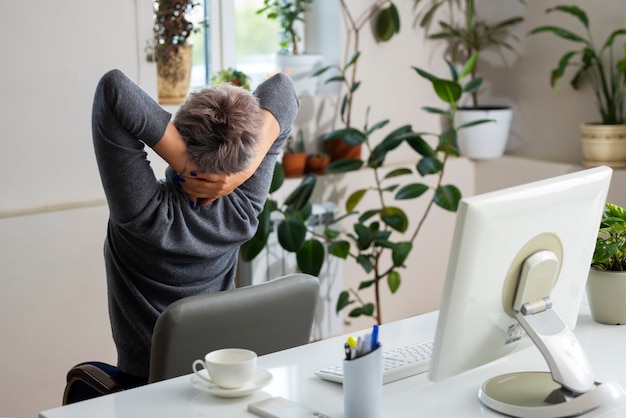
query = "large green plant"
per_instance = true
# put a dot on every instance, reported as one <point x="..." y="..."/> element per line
<point x="465" y="32"/>
<point x="600" y="67"/>
<point x="610" y="250"/>
<point x="381" y="237"/>
<point x="287" y="12"/>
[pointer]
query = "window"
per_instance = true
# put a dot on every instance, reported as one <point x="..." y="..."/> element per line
<point x="233" y="35"/>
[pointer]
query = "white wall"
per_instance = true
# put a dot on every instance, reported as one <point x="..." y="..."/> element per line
<point x="53" y="302"/>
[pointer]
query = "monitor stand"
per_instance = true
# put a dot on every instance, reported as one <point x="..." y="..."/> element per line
<point x="569" y="388"/>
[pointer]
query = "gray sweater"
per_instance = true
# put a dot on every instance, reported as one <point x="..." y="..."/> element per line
<point x="158" y="249"/>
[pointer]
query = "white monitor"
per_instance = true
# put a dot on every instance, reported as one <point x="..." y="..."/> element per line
<point x="550" y="227"/>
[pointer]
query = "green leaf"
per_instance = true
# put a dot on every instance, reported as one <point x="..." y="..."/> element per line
<point x="343" y="301"/>
<point x="474" y="123"/>
<point x="448" y="197"/>
<point x="365" y="262"/>
<point x="384" y="28"/>
<point x="310" y="257"/>
<point x="366" y="283"/>
<point x="343" y="166"/>
<point x="428" y="76"/>
<point x="473" y="85"/>
<point x="364" y="236"/>
<point x="422" y="147"/>
<point x="339" y="249"/>
<point x="400" y="252"/>
<point x="429" y="165"/>
<point x="301" y="194"/>
<point x="448" y="91"/>
<point x="469" y="66"/>
<point x="411" y="191"/>
<point x="368" y="214"/>
<point x="393" y="281"/>
<point x="291" y="234"/>
<point x="365" y="310"/>
<point x="331" y="233"/>
<point x="278" y="178"/>
<point x="350" y="136"/>
<point x="395" y="218"/>
<point x="398" y="172"/>
<point x="354" y="199"/>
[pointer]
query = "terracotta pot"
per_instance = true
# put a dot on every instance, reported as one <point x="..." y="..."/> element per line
<point x="294" y="164"/>
<point x="339" y="150"/>
<point x="317" y="164"/>
<point x="603" y="145"/>
<point x="173" y="73"/>
<point x="606" y="293"/>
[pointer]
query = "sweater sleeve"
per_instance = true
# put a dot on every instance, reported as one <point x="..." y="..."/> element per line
<point x="277" y="94"/>
<point x="124" y="118"/>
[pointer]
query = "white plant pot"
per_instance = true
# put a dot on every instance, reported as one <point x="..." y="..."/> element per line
<point x="485" y="141"/>
<point x="300" y="68"/>
<point x="606" y="293"/>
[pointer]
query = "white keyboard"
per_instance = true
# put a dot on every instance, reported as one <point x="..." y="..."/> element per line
<point x="398" y="363"/>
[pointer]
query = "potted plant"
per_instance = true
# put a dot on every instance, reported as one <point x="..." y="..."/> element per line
<point x="232" y="76"/>
<point x="466" y="33"/>
<point x="346" y="143"/>
<point x="604" y="141"/>
<point x="290" y="58"/>
<point x="294" y="157"/>
<point x="381" y="237"/>
<point x="171" y="50"/>
<point x="317" y="163"/>
<point x="606" y="285"/>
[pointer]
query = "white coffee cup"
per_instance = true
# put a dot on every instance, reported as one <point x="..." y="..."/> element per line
<point x="230" y="368"/>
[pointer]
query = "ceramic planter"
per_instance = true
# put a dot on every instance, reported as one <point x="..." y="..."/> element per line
<point x="339" y="150"/>
<point x="173" y="74"/>
<point x="606" y="293"/>
<point x="294" y="164"/>
<point x="317" y="164"/>
<point x="488" y="140"/>
<point x="603" y="145"/>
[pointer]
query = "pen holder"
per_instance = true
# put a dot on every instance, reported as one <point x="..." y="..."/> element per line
<point x="363" y="385"/>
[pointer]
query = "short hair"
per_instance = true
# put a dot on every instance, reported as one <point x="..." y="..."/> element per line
<point x="221" y="125"/>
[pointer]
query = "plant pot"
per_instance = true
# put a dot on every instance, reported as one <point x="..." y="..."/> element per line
<point x="300" y="68"/>
<point x="317" y="164"/>
<point x="173" y="73"/>
<point x="488" y="140"/>
<point x="339" y="150"/>
<point x="606" y="293"/>
<point x="603" y="145"/>
<point x="294" y="164"/>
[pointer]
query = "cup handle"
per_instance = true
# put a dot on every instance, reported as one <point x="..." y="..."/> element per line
<point x="197" y="372"/>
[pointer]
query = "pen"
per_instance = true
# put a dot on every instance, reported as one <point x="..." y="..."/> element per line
<point x="374" y="337"/>
<point x="348" y="351"/>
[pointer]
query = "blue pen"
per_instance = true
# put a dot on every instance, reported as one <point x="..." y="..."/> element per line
<point x="375" y="337"/>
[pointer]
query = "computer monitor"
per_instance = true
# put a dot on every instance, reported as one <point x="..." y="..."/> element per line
<point x="541" y="235"/>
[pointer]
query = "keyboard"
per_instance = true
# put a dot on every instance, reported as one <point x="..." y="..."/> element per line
<point x="398" y="363"/>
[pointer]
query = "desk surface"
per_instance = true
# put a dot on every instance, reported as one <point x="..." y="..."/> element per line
<point x="294" y="379"/>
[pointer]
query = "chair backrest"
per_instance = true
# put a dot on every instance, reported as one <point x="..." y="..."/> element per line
<point x="265" y="318"/>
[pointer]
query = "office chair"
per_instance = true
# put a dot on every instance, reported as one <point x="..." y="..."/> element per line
<point x="265" y="318"/>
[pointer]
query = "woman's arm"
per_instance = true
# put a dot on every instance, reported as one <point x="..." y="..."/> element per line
<point x="204" y="188"/>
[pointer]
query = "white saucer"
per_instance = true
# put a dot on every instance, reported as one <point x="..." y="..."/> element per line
<point x="261" y="379"/>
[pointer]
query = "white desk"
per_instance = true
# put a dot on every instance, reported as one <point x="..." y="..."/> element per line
<point x="294" y="379"/>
